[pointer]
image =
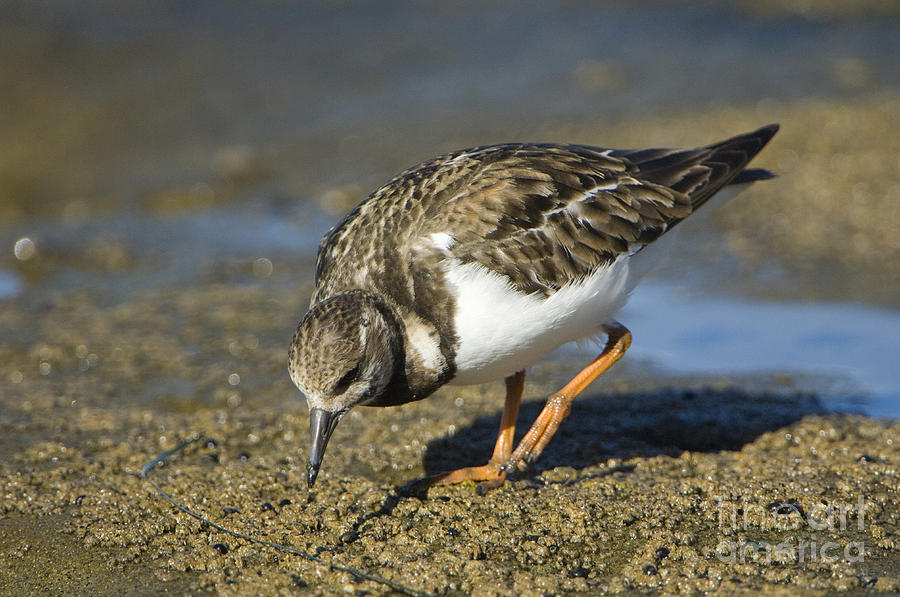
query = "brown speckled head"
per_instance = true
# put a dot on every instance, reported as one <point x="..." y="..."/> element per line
<point x="343" y="354"/>
<point x="344" y="351"/>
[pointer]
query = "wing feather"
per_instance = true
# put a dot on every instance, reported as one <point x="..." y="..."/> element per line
<point x="541" y="215"/>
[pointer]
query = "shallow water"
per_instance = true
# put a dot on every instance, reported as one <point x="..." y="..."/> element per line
<point x="846" y="354"/>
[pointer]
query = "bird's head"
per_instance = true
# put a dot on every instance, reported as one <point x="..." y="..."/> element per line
<point x="342" y="355"/>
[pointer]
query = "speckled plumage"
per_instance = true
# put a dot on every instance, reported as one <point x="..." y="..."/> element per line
<point x="540" y="217"/>
<point x="540" y="214"/>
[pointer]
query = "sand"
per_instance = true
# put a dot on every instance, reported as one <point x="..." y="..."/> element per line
<point x="655" y="485"/>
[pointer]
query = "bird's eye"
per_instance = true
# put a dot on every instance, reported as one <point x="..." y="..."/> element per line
<point x="348" y="378"/>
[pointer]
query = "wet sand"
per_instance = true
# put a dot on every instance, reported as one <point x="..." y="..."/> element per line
<point x="644" y="489"/>
<point x="689" y="486"/>
<point x="132" y="322"/>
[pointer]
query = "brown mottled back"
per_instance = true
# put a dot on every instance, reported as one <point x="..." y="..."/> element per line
<point x="542" y="215"/>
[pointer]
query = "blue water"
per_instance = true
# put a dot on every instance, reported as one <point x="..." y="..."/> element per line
<point x="849" y="354"/>
<point x="10" y="284"/>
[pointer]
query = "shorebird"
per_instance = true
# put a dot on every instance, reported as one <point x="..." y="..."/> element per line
<point x="474" y="265"/>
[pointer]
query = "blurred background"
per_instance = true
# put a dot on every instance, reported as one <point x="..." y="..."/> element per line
<point x="167" y="169"/>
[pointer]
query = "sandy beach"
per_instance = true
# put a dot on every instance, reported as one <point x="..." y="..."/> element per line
<point x="153" y="304"/>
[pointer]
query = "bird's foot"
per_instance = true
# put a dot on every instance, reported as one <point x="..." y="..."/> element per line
<point x="489" y="476"/>
<point x="537" y="438"/>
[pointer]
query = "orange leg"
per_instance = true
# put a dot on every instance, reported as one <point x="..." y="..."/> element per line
<point x="558" y="405"/>
<point x="493" y="472"/>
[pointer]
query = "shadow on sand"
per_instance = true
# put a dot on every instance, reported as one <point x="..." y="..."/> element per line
<point x="640" y="424"/>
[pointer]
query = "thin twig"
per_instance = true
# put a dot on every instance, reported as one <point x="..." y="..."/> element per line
<point x="286" y="548"/>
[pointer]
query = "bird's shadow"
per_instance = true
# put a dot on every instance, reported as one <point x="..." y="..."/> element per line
<point x="633" y="424"/>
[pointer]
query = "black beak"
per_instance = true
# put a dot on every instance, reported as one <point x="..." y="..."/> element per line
<point x="321" y="426"/>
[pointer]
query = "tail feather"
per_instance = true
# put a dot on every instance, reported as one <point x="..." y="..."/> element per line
<point x="701" y="172"/>
<point x="752" y="175"/>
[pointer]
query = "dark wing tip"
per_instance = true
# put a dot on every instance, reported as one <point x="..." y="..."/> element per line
<point x="765" y="133"/>
<point x="752" y="175"/>
<point x="756" y="139"/>
<point x="761" y="136"/>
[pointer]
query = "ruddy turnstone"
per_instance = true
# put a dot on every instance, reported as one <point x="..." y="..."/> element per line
<point x="472" y="266"/>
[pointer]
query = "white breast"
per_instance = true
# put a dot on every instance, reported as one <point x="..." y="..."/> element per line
<point x="501" y="330"/>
